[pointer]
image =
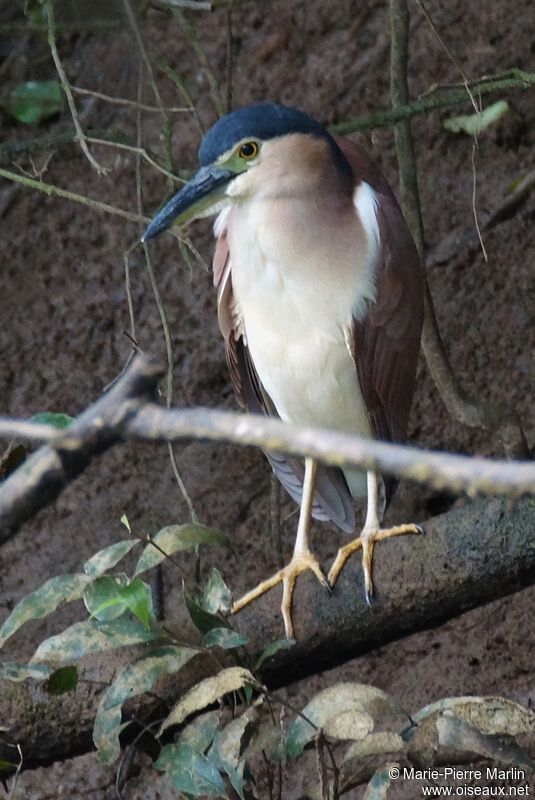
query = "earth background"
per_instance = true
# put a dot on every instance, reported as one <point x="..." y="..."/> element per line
<point x="63" y="311"/>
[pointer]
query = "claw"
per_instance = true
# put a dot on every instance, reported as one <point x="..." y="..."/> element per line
<point x="288" y="575"/>
<point x="367" y="540"/>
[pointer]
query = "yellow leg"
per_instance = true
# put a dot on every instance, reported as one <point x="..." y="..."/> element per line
<point x="302" y="558"/>
<point x="371" y="533"/>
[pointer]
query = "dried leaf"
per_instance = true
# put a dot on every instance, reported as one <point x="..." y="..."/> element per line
<point x="230" y="743"/>
<point x="108" y="557"/>
<point x="225" y="638"/>
<point x="335" y="700"/>
<point x="349" y="725"/>
<point x="491" y="715"/>
<point x="38" y="604"/>
<point x="133" y="680"/>
<point x="473" y="124"/>
<point x="13" y="671"/>
<point x="207" y="692"/>
<point x="178" y="537"/>
<point x="456" y="734"/>
<point x="374" y="745"/>
<point x="91" y="636"/>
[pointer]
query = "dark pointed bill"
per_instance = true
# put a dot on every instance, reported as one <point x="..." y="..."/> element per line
<point x="205" y="189"/>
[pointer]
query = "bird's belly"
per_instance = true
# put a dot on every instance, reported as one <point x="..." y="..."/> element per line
<point x="296" y="337"/>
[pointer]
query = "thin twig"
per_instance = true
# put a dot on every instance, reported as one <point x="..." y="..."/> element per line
<point x="163" y="319"/>
<point x="141" y="151"/>
<point x="501" y="422"/>
<point x="123" y="101"/>
<point x="229" y="55"/>
<point x="453" y="243"/>
<point x="193" y="39"/>
<point x="56" y="191"/>
<point x="17" y="773"/>
<point x="477" y="105"/>
<point x="182" y="87"/>
<point x="80" y="136"/>
<point x="474" y="199"/>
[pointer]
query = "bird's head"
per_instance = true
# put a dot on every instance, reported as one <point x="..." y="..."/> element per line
<point x="263" y="148"/>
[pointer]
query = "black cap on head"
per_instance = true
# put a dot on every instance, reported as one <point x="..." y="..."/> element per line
<point x="262" y="121"/>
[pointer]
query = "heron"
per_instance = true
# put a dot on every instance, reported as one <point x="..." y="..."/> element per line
<point x="320" y="304"/>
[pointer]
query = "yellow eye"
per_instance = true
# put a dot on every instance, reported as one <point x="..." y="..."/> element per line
<point x="248" y="150"/>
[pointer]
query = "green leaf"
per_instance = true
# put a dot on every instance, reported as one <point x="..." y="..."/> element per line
<point x="108" y="598"/>
<point x="38" y="604"/>
<point x="363" y="704"/>
<point x="33" y="101"/>
<point x="271" y="649"/>
<point x="63" y="680"/>
<point x="125" y="522"/>
<point x="12" y="671"/>
<point x="137" y="596"/>
<point x="224" y="638"/>
<point x="102" y="597"/>
<point x="108" y="557"/>
<point x="50" y="418"/>
<point x="473" y="124"/>
<point x="190" y="772"/>
<point x="135" y="679"/>
<point x="7" y="766"/>
<point x="216" y="594"/>
<point x="202" y="620"/>
<point x="178" y="537"/>
<point x="207" y="692"/>
<point x="92" y="636"/>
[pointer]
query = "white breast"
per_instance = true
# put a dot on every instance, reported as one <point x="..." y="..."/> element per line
<point x="296" y="294"/>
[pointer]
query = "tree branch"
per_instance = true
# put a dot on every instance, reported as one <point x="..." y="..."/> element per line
<point x="440" y="97"/>
<point x="129" y="411"/>
<point x="468" y="557"/>
<point x="498" y="420"/>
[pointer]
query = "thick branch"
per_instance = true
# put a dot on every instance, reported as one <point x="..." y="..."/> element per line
<point x="128" y="411"/>
<point x="467" y="557"/>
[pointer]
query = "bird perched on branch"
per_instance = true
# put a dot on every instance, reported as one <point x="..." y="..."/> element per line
<point x="320" y="304"/>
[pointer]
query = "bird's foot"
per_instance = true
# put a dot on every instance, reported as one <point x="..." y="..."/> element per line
<point x="287" y="576"/>
<point x="366" y="541"/>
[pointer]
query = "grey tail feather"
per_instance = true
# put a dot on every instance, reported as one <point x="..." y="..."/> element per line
<point x="332" y="499"/>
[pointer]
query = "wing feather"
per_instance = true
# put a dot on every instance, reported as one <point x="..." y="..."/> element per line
<point x="386" y="341"/>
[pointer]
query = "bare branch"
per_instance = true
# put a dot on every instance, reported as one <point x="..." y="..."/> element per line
<point x="128" y="411"/>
